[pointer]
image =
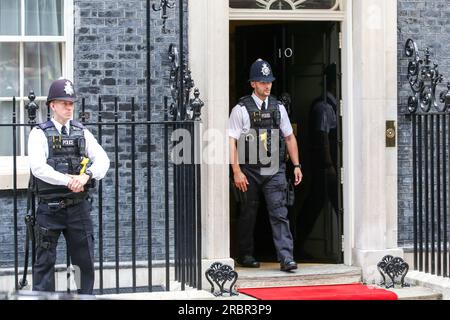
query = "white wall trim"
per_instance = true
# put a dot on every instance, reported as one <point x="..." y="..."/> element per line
<point x="209" y="63"/>
<point x="69" y="35"/>
<point x="287" y="15"/>
<point x="6" y="169"/>
<point x="348" y="131"/>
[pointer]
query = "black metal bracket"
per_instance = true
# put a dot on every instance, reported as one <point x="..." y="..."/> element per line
<point x="423" y="78"/>
<point x="163" y="6"/>
<point x="32" y="108"/>
<point x="218" y="274"/>
<point x="176" y="110"/>
<point x="393" y="268"/>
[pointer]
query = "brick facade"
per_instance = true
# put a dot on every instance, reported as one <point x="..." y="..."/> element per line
<point x="426" y="22"/>
<point x="110" y="60"/>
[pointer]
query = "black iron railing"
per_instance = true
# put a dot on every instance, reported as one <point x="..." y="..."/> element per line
<point x="180" y="192"/>
<point x="430" y="118"/>
<point x="135" y="148"/>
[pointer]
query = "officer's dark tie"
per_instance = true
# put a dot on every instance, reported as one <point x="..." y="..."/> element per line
<point x="64" y="131"/>
<point x="263" y="106"/>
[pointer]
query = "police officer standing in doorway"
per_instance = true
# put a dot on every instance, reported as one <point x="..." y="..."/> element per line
<point x="64" y="158"/>
<point x="260" y="122"/>
<point x="323" y="142"/>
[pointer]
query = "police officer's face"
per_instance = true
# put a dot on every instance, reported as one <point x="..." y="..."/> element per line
<point x="262" y="89"/>
<point x="62" y="110"/>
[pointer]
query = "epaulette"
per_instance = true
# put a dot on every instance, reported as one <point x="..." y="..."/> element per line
<point x="46" y="125"/>
<point x="76" y="124"/>
<point x="274" y="98"/>
<point x="243" y="100"/>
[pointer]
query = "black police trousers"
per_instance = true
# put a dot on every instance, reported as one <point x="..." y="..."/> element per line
<point x="274" y="190"/>
<point x="76" y="225"/>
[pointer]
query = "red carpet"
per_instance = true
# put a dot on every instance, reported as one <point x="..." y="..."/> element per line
<point x="332" y="292"/>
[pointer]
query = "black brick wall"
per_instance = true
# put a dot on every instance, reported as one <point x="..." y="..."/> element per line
<point x="110" y="61"/>
<point x="428" y="23"/>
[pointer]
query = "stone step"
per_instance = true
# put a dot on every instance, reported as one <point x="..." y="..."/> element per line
<point x="416" y="293"/>
<point x="307" y="274"/>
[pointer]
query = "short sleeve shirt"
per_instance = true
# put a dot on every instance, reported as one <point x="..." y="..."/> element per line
<point x="239" y="122"/>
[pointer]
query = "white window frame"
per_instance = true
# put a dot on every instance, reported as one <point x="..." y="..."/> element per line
<point x="6" y="162"/>
<point x="336" y="13"/>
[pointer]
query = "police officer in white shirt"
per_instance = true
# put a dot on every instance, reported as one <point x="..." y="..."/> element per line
<point x="260" y="133"/>
<point x="64" y="159"/>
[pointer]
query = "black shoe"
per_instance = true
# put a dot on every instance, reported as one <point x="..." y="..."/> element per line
<point x="288" y="265"/>
<point x="248" y="262"/>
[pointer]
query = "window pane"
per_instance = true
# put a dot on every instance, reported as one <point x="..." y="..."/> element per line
<point x="6" y="141"/>
<point x="282" y="4"/>
<point x="9" y="17"/>
<point x="44" y="17"/>
<point x="42" y="66"/>
<point x="9" y="70"/>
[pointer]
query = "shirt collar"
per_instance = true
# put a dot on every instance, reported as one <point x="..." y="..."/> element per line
<point x="58" y="125"/>
<point x="259" y="102"/>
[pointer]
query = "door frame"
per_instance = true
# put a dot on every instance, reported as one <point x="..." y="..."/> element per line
<point x="344" y="18"/>
<point x="212" y="78"/>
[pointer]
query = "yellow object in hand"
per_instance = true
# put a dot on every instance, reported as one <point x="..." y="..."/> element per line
<point x="263" y="137"/>
<point x="83" y="163"/>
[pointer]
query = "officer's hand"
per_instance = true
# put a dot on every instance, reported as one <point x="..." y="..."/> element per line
<point x="241" y="182"/>
<point x="74" y="186"/>
<point x="298" y="176"/>
<point x="77" y="183"/>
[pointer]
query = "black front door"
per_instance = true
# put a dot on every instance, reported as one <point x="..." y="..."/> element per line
<point x="298" y="53"/>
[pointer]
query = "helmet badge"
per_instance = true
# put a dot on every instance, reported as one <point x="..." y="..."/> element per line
<point x="265" y="70"/>
<point x="68" y="89"/>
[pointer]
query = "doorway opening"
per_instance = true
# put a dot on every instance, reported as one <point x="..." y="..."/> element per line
<point x="300" y="54"/>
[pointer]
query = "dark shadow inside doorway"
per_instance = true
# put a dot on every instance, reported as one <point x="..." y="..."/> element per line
<point x="299" y="52"/>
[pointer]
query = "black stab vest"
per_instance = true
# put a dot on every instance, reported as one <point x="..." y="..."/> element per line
<point x="262" y="123"/>
<point x="64" y="155"/>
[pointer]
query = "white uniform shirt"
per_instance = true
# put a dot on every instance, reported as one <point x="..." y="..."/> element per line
<point x="38" y="154"/>
<point x="239" y="122"/>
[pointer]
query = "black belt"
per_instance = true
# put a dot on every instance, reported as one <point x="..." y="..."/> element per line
<point x="62" y="203"/>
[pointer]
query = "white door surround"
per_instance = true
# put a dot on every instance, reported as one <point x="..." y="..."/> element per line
<point x="370" y="169"/>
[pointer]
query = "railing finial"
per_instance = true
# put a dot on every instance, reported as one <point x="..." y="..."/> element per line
<point x="163" y="6"/>
<point x="31" y="108"/>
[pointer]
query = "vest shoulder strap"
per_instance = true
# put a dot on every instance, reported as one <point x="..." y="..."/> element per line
<point x="46" y="125"/>
<point x="274" y="102"/>
<point x="76" y="124"/>
<point x="245" y="101"/>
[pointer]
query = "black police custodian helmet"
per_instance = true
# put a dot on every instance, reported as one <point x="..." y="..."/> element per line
<point x="61" y="89"/>
<point x="261" y="71"/>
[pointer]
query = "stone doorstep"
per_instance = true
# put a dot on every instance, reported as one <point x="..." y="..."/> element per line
<point x="436" y="283"/>
<point x="416" y="293"/>
<point x="269" y="275"/>
<point x="409" y="293"/>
